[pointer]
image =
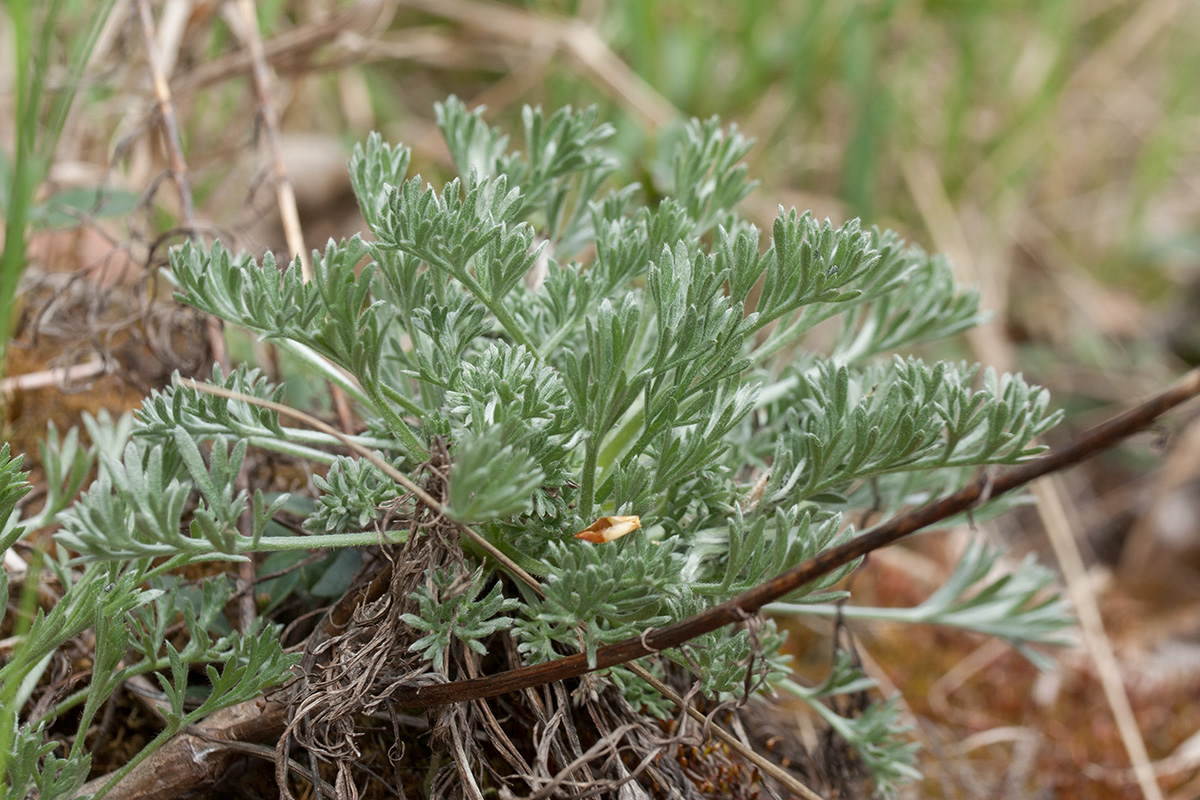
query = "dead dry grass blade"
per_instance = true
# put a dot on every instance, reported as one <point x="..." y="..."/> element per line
<point x="302" y="43"/>
<point x="958" y="675"/>
<point x="1058" y="528"/>
<point x="53" y="377"/>
<point x="243" y="19"/>
<point x="945" y="225"/>
<point x="178" y="164"/>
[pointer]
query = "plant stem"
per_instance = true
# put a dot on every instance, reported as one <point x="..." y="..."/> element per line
<point x="158" y="741"/>
<point x="587" y="484"/>
<point x="400" y="400"/>
<point x="274" y="544"/>
<point x="266" y="442"/>
<point x="551" y="344"/>
<point x="333" y="374"/>
<point x="496" y="306"/>
<point x="618" y="440"/>
<point x="140" y="668"/>
<point x="394" y="421"/>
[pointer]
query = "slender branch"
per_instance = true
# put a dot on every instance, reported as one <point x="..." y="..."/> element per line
<point x="166" y="113"/>
<point x="580" y="42"/>
<point x="748" y="603"/>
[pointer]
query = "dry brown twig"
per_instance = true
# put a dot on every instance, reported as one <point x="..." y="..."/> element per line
<point x="739" y="608"/>
<point x="303" y="41"/>
<point x="577" y="40"/>
<point x="53" y="377"/>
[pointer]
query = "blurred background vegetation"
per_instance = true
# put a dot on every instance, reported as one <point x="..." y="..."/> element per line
<point x="1050" y="147"/>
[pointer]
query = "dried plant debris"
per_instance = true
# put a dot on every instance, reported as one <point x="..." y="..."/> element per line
<point x="351" y="665"/>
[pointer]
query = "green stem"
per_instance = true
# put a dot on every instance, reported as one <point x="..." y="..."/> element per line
<point x="294" y="450"/>
<point x="551" y="344"/>
<point x="297" y="443"/>
<point x="618" y="442"/>
<point x="780" y="339"/>
<point x="395" y="422"/>
<point x="274" y="544"/>
<point x="499" y="312"/>
<point x="344" y="381"/>
<point x="322" y="365"/>
<point x="587" y="487"/>
<point x="514" y="330"/>
<point x="175" y="562"/>
<point x="158" y="741"/>
<point x="633" y="416"/>
<point x="140" y="668"/>
<point x="303" y="437"/>
<point x="20" y="191"/>
<point x="408" y="405"/>
<point x="775" y="391"/>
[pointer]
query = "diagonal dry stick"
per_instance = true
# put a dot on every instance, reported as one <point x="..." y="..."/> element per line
<point x="166" y="112"/>
<point x="573" y="38"/>
<point x="739" y="608"/>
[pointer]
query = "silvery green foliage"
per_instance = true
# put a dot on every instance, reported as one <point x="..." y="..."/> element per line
<point x="351" y="494"/>
<point x="586" y="354"/>
<point x="617" y="591"/>
<point x="457" y="608"/>
<point x="137" y="506"/>
<point x="1009" y="605"/>
<point x="125" y="597"/>
<point x="581" y="353"/>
